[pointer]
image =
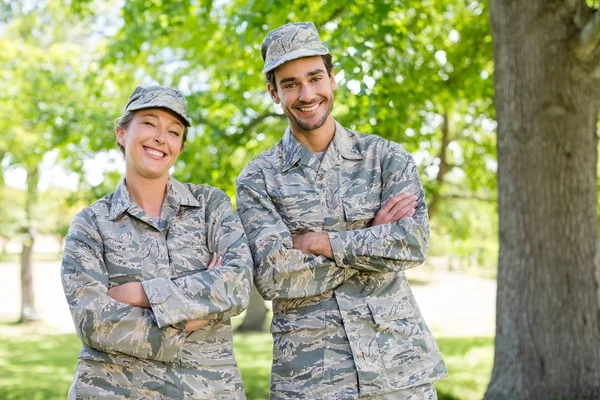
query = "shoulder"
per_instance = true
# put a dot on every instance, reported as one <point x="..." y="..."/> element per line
<point x="100" y="209"/>
<point x="206" y="193"/>
<point x="263" y="162"/>
<point x="372" y="145"/>
<point x="85" y="221"/>
<point x="215" y="201"/>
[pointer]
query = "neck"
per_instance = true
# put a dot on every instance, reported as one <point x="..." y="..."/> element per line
<point x="148" y="194"/>
<point x="316" y="140"/>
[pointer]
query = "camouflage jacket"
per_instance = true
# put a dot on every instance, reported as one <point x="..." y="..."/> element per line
<point x="287" y="190"/>
<point x="113" y="241"/>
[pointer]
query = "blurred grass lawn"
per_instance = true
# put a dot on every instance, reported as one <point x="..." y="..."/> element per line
<point x="38" y="365"/>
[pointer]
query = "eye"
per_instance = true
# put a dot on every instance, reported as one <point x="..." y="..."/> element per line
<point x="149" y="123"/>
<point x="317" y="79"/>
<point x="175" y="133"/>
<point x="290" y="86"/>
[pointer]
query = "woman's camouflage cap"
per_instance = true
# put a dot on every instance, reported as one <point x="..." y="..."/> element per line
<point x="156" y="96"/>
<point x="289" y="42"/>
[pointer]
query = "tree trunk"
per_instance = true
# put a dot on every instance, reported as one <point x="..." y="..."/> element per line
<point x="28" y="312"/>
<point x="547" y="101"/>
<point x="432" y="207"/>
<point x="256" y="314"/>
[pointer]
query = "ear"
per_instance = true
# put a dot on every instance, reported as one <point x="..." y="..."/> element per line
<point x="332" y="78"/>
<point x="273" y="92"/>
<point x="120" y="134"/>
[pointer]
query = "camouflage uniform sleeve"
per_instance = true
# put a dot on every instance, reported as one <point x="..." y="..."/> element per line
<point x="280" y="271"/>
<point x="388" y="247"/>
<point x="219" y="293"/>
<point x="100" y="321"/>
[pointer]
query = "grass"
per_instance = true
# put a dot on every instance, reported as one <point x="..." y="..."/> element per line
<point x="36" y="364"/>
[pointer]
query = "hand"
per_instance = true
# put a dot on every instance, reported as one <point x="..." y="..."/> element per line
<point x="316" y="243"/>
<point x="131" y="293"/>
<point x="196" y="324"/>
<point x="400" y="206"/>
<point x="215" y="262"/>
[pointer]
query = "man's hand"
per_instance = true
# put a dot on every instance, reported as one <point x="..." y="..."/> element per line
<point x="316" y="243"/>
<point x="400" y="206"/>
<point x="131" y="293"/>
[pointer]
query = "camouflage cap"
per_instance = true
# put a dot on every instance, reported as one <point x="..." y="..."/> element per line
<point x="289" y="42"/>
<point x="156" y="96"/>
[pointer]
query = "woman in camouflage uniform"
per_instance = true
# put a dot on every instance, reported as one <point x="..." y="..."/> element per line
<point x="153" y="272"/>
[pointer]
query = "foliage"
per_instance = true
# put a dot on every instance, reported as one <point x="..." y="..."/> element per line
<point x="27" y="351"/>
<point x="405" y="70"/>
<point x="467" y="234"/>
<point x="402" y="68"/>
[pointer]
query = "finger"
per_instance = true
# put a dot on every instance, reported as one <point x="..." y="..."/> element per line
<point x="408" y="202"/>
<point x="212" y="262"/>
<point x="407" y="211"/>
<point x="399" y="211"/>
<point x="401" y="198"/>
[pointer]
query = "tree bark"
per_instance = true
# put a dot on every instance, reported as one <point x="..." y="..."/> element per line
<point x="256" y="314"/>
<point x="28" y="312"/>
<point x="547" y="102"/>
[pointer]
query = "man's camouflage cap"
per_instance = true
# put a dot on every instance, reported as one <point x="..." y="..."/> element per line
<point x="289" y="42"/>
<point x="156" y="96"/>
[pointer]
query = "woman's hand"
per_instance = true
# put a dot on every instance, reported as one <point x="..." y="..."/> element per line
<point x="131" y="293"/>
<point x="215" y="262"/>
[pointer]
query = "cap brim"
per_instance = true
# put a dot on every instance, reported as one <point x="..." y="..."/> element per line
<point x="293" y="55"/>
<point x="159" y="105"/>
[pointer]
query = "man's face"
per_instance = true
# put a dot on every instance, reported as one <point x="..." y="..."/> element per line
<point x="305" y="92"/>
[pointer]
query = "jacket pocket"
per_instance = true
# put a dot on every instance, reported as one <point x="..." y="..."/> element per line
<point x="400" y="338"/>
<point x="301" y="212"/>
<point x="298" y="350"/>
<point x="360" y="214"/>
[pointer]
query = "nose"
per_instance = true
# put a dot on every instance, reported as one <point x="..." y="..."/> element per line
<point x="160" y="136"/>
<point x="306" y="94"/>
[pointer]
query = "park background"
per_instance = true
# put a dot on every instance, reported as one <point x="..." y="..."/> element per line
<point x="420" y="73"/>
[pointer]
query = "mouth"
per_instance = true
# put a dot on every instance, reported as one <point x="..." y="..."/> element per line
<point x="154" y="153"/>
<point x="309" y="109"/>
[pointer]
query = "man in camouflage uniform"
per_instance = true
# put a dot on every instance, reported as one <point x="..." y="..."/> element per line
<point x="150" y="307"/>
<point x="334" y="218"/>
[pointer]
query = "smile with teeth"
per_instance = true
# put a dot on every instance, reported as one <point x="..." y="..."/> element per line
<point x="154" y="153"/>
<point x="308" y="109"/>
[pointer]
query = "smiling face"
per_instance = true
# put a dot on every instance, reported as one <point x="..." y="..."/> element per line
<point x="152" y="141"/>
<point x="305" y="92"/>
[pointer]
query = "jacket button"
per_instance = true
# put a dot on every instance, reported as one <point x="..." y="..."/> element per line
<point x="346" y="261"/>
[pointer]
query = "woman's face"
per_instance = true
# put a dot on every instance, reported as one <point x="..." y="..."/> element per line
<point x="152" y="141"/>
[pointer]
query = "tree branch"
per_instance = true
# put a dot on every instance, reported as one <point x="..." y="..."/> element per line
<point x="258" y="120"/>
<point x="468" y="196"/>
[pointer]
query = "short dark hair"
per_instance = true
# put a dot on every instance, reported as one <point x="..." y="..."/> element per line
<point x="124" y="120"/>
<point x="327" y="60"/>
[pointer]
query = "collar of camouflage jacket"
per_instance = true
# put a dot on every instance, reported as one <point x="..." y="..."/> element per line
<point x="342" y="145"/>
<point x="177" y="195"/>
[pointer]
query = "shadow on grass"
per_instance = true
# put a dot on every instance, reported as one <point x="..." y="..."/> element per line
<point x="37" y="365"/>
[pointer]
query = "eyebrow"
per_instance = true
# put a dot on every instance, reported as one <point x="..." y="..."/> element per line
<point x="311" y="73"/>
<point x="149" y="114"/>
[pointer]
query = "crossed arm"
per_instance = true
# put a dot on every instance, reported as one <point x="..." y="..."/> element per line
<point x="133" y="293"/>
<point x="400" y="206"/>
<point x="151" y="324"/>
